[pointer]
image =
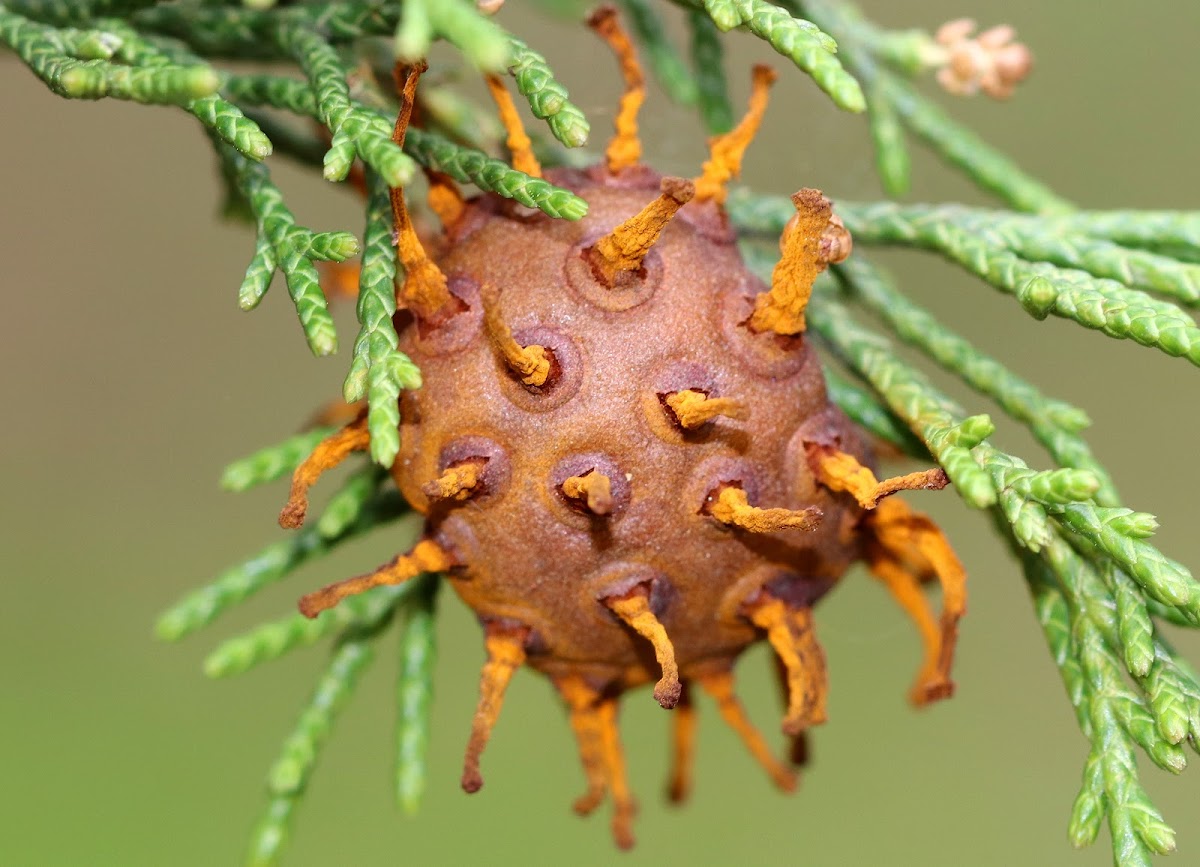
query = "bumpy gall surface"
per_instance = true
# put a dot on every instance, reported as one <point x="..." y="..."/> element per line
<point x="529" y="554"/>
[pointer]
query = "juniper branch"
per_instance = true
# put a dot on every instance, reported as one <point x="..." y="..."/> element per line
<point x="1081" y="631"/>
<point x="1146" y="229"/>
<point x="244" y="33"/>
<point x="801" y="41"/>
<point x="887" y="134"/>
<point x="275" y="91"/>
<point x="275" y="562"/>
<point x="65" y="12"/>
<point x="379" y="370"/>
<point x="356" y="130"/>
<point x="414" y="692"/>
<point x="292" y="251"/>
<point x="1042" y="241"/>
<point x="864" y="408"/>
<point x="290" y="773"/>
<point x="45" y="53"/>
<point x="666" y="63"/>
<point x="708" y="64"/>
<point x="495" y="176"/>
<point x="548" y="99"/>
<point x="292" y="769"/>
<point x="273" y="462"/>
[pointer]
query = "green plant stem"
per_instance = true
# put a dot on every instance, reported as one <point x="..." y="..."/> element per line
<point x="414" y="692"/>
<point x="275" y="562"/>
<point x="379" y="370"/>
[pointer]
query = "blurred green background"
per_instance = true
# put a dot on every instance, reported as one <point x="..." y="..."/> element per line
<point x="130" y="378"/>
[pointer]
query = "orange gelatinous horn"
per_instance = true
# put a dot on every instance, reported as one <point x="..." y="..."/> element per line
<point x="726" y="151"/>
<point x="625" y="247"/>
<point x="839" y="471"/>
<point x="458" y="482"/>
<point x="444" y="199"/>
<point x="792" y="635"/>
<point x="730" y="505"/>
<point x="692" y="408"/>
<point x="719" y="685"/>
<point x="424" y="291"/>
<point x="518" y="142"/>
<point x="505" y="654"/>
<point x="907" y="543"/>
<point x="624" y="807"/>
<point x="625" y="149"/>
<point x="426" y="556"/>
<point x="583" y="703"/>
<point x="781" y="309"/>
<point x="328" y="454"/>
<point x="634" y="609"/>
<point x="531" y="363"/>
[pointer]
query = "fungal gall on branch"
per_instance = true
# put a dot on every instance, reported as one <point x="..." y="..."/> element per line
<point x="625" y="455"/>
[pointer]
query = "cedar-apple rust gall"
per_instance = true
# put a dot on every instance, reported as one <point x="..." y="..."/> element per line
<point x="625" y="455"/>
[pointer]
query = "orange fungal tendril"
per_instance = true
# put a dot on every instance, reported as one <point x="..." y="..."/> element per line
<point x="731" y="506"/>
<point x="634" y="609"/>
<point x="444" y="199"/>
<point x="781" y="309"/>
<point x="933" y="680"/>
<point x="693" y="408"/>
<point x="726" y="151"/>
<point x="338" y="279"/>
<point x="530" y="363"/>
<point x="424" y="290"/>
<point x="593" y="488"/>
<point x="505" y="647"/>
<point x="625" y="247"/>
<point x="624" y="807"/>
<point x="625" y="149"/>
<point x="839" y="471"/>
<point x="426" y="556"/>
<point x="719" y="685"/>
<point x="518" y="142"/>
<point x="330" y="452"/>
<point x="905" y="550"/>
<point x="586" y="723"/>
<point x="792" y="634"/>
<point x="458" y="482"/>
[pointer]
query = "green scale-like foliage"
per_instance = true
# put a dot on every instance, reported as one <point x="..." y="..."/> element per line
<point x="1100" y="588"/>
<point x="379" y="369"/>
